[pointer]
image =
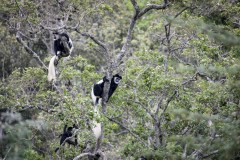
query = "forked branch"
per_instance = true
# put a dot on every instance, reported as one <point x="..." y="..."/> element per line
<point x="137" y="15"/>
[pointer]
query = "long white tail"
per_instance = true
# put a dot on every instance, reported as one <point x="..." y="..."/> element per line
<point x="96" y="129"/>
<point x="93" y="97"/>
<point x="51" y="70"/>
<point x="96" y="126"/>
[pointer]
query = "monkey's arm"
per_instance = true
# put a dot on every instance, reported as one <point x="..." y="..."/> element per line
<point x="105" y="79"/>
<point x="65" y="129"/>
<point x="70" y="142"/>
<point x="66" y="47"/>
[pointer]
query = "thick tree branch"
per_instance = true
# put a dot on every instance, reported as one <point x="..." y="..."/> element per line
<point x="138" y="14"/>
<point x="99" y="153"/>
<point x="136" y="7"/>
<point x="129" y="34"/>
<point x="83" y="155"/>
<point x="153" y="6"/>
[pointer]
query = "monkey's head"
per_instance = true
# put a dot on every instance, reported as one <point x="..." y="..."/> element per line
<point x="75" y="126"/>
<point x="64" y="37"/>
<point x="69" y="129"/>
<point x="117" y="78"/>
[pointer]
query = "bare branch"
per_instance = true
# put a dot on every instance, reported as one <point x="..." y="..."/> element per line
<point x="134" y="19"/>
<point x="153" y="6"/>
<point x="30" y="51"/>
<point x="101" y="154"/>
<point x="168" y="37"/>
<point x="122" y="125"/>
<point x="129" y="35"/>
<point x="83" y="155"/>
<point x="193" y="78"/>
<point x="136" y="7"/>
<point x="184" y="155"/>
<point x="210" y="154"/>
<point x="178" y="14"/>
<point x="180" y="60"/>
<point x="38" y="107"/>
<point x="7" y="153"/>
<point x="52" y="28"/>
<point x="159" y="104"/>
<point x="168" y="101"/>
<point x="94" y="39"/>
<point x="146" y="109"/>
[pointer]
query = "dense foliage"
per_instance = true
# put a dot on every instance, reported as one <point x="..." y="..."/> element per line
<point x="180" y="93"/>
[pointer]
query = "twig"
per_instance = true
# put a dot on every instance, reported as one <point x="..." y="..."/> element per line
<point x="7" y="153"/>
<point x="168" y="101"/>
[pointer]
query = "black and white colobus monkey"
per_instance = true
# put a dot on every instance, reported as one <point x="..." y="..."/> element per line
<point x="96" y="94"/>
<point x="68" y="132"/>
<point x="97" y="89"/>
<point x="63" y="47"/>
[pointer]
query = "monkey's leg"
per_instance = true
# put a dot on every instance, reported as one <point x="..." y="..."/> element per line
<point x="70" y="142"/>
<point x="76" y="142"/>
<point x="66" y="49"/>
<point x="57" y="58"/>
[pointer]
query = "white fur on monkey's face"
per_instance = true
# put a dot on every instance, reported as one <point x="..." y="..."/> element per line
<point x="117" y="80"/>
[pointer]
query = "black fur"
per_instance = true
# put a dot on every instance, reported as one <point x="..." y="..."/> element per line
<point x="62" y="46"/>
<point x="68" y="132"/>
<point x="98" y="88"/>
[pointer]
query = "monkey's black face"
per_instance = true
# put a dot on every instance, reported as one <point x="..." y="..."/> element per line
<point x="117" y="80"/>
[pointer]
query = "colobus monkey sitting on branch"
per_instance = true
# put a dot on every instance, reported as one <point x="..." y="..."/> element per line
<point x="65" y="136"/>
<point x="97" y="89"/>
<point x="97" y="93"/>
<point x="63" y="47"/>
